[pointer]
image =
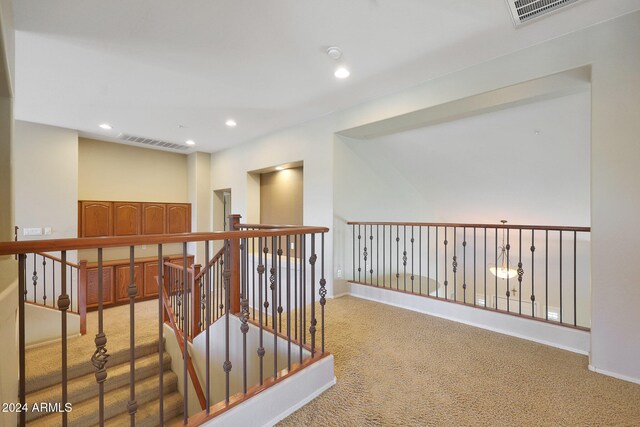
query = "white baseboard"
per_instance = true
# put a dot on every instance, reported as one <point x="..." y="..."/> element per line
<point x="340" y="295"/>
<point x="303" y="402"/>
<point x="576" y="341"/>
<point x="614" y="375"/>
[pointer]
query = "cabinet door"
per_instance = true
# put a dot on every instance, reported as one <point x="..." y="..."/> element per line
<point x="97" y="220"/>
<point x="122" y="281"/>
<point x="92" y="287"/>
<point x="178" y="218"/>
<point x="127" y="219"/>
<point x="153" y="218"/>
<point x="150" y="283"/>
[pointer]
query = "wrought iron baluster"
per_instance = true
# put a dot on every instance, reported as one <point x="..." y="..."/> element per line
<point x="455" y="263"/>
<point x="429" y="263"/>
<point x="302" y="285"/>
<point x="371" y="254"/>
<point x="63" y="305"/>
<point x="260" y="323"/>
<point x="412" y="259"/>
<point x="377" y="254"/>
<point x="323" y="290"/>
<point x="446" y="282"/>
<point x="546" y="274"/>
<point x="160" y="280"/>
<point x="508" y="267"/>
<point x="266" y="288"/>
<point x="364" y="254"/>
<point x="353" y="249"/>
<point x="485" y="267"/>
<point x="533" y="290"/>
<point x="575" y="279"/>
<point x="274" y="288"/>
<point x="397" y="257"/>
<point x="404" y="258"/>
<point x="520" y="271"/>
<point x="279" y="283"/>
<point x="288" y="281"/>
<point x="227" y="296"/>
<point x="185" y="322"/>
<point x="244" y="316"/>
<point x="561" y="307"/>
<point x="384" y="267"/>
<point x="34" y="279"/>
<point x="312" y="263"/>
<point x="22" y="290"/>
<point x="464" y="265"/>
<point x="253" y="282"/>
<point x="303" y="264"/>
<point x="420" y="258"/>
<point x="207" y="323"/>
<point x="359" y="253"/>
<point x="132" y="291"/>
<point x="295" y="286"/>
<point x="495" y="296"/>
<point x="437" y="282"/>
<point x="71" y="284"/>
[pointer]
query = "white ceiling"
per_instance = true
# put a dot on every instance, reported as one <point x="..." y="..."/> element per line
<point x="148" y="66"/>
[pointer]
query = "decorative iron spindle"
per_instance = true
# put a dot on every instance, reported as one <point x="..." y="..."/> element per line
<point x="63" y="306"/>
<point x="265" y="250"/>
<point x="371" y="249"/>
<point x="485" y="267"/>
<point x="455" y="263"/>
<point x="464" y="265"/>
<point x="100" y="356"/>
<point x="22" y="289"/>
<point x="412" y="259"/>
<point x="359" y="265"/>
<point x="404" y="257"/>
<point x="533" y="290"/>
<point x="260" y="323"/>
<point x="161" y="336"/>
<point x="508" y="248"/>
<point x="437" y="282"/>
<point x="34" y="278"/>
<point x="323" y="290"/>
<point x="446" y="282"/>
<point x="185" y="322"/>
<point x="279" y="283"/>
<point x="520" y="271"/>
<point x="244" y="314"/>
<point x="575" y="279"/>
<point x="288" y="284"/>
<point x="377" y="255"/>
<point x="227" y="293"/>
<point x="274" y="275"/>
<point x="397" y="257"/>
<point x="132" y="291"/>
<point x="312" y="263"/>
<point x="561" y="306"/>
<point x="546" y="274"/>
<point x="420" y="258"/>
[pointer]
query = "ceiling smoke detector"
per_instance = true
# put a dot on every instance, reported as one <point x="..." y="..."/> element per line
<point x="334" y="53"/>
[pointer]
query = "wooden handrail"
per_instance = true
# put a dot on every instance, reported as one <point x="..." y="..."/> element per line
<point x="190" y="368"/>
<point x="460" y="225"/>
<point x="53" y="258"/>
<point x="213" y="260"/>
<point x="29" y="246"/>
<point x="178" y="266"/>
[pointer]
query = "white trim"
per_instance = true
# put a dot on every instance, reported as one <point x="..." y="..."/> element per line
<point x="614" y="374"/>
<point x="53" y="341"/>
<point x="574" y="340"/>
<point x="284" y="414"/>
<point x="340" y="295"/>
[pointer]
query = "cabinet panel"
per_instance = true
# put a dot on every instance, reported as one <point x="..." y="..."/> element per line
<point x="97" y="219"/>
<point x="153" y="218"/>
<point x="92" y="286"/>
<point x="127" y="218"/>
<point x="122" y="281"/>
<point x="178" y="218"/>
<point x="150" y="284"/>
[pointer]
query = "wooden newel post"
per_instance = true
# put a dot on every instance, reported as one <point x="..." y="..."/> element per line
<point x="165" y="276"/>
<point x="82" y="295"/>
<point x="234" y="303"/>
<point x="196" y="327"/>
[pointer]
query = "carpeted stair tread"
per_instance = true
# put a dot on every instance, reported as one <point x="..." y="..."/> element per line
<point x="41" y="373"/>
<point x="85" y="387"/>
<point x="147" y="415"/>
<point x="115" y="403"/>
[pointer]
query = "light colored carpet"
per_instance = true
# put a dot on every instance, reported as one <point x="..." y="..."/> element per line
<point x="397" y="367"/>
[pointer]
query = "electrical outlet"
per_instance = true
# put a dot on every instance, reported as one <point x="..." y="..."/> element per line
<point x="339" y="273"/>
<point x="292" y="246"/>
<point x="47" y="231"/>
<point x="32" y="231"/>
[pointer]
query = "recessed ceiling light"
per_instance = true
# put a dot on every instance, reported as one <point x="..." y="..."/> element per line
<point x="231" y="123"/>
<point x="105" y="126"/>
<point x="342" y="73"/>
<point x="279" y="168"/>
<point x="190" y="142"/>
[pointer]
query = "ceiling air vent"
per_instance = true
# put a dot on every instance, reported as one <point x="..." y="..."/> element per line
<point x="526" y="10"/>
<point x="152" y="142"/>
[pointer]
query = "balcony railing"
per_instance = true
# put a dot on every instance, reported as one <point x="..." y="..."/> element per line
<point x="538" y="272"/>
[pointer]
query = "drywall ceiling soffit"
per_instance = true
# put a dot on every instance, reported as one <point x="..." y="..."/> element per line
<point x="149" y="66"/>
<point x="553" y="86"/>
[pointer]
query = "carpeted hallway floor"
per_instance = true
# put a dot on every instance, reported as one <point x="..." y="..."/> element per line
<point x="399" y="368"/>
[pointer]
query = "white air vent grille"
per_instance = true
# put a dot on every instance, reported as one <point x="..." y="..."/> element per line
<point x="526" y="10"/>
<point x="153" y="142"/>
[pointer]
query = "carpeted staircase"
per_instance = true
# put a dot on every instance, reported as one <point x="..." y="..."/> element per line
<point x="43" y="385"/>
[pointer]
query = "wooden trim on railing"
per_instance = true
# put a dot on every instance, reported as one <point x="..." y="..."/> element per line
<point x="222" y="407"/>
<point x="490" y="226"/>
<point x="53" y="258"/>
<point x="190" y="368"/>
<point x="213" y="260"/>
<point x="30" y="246"/>
<point x="178" y="266"/>
<point x="265" y="226"/>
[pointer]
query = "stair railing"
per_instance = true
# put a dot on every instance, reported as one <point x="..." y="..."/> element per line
<point x="280" y="268"/>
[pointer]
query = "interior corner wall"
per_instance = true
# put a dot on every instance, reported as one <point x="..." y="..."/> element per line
<point x="46" y="179"/>
<point x="313" y="145"/>
<point x="200" y="197"/>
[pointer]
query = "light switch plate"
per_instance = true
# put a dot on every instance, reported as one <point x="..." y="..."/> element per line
<point x="47" y="231"/>
<point x="32" y="231"/>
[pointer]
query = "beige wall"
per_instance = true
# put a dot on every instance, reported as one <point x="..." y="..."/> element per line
<point x="281" y="197"/>
<point x="200" y="196"/>
<point x="108" y="171"/>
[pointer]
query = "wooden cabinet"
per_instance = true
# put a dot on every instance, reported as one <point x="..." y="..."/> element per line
<point x="111" y="218"/>
<point x="127" y="218"/>
<point x="92" y="287"/>
<point x="123" y="280"/>
<point x="115" y="280"/>
<point x="96" y="219"/>
<point x="154" y="218"/>
<point x="178" y="218"/>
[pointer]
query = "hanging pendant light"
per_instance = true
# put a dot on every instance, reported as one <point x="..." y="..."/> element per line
<point x="501" y="268"/>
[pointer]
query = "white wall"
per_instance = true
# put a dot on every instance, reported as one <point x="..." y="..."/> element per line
<point x="46" y="177"/>
<point x="611" y="49"/>
<point x="200" y="197"/>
